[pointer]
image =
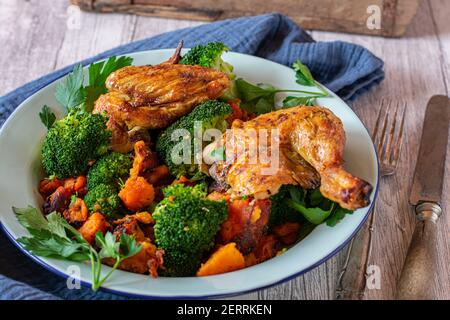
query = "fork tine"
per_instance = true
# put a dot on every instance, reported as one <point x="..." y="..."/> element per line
<point x="377" y="123"/>
<point x="383" y="134"/>
<point x="391" y="134"/>
<point x="398" y="146"/>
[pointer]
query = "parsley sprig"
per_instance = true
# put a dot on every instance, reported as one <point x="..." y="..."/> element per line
<point x="71" y="92"/>
<point x="315" y="207"/>
<point x="260" y="98"/>
<point x="53" y="237"/>
<point x="48" y="118"/>
<point x="304" y="77"/>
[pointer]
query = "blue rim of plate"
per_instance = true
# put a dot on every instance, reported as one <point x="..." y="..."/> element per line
<point x="211" y="296"/>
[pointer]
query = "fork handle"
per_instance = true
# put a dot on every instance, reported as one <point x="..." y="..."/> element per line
<point x="417" y="277"/>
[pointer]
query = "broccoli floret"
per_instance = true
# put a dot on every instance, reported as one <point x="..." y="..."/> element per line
<point x="186" y="224"/>
<point x="211" y="114"/>
<point x="109" y="169"/>
<point x="210" y="56"/>
<point x="103" y="198"/>
<point x="73" y="142"/>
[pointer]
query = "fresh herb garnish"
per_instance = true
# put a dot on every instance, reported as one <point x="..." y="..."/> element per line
<point x="48" y="118"/>
<point x="302" y="74"/>
<point x="98" y="72"/>
<point x="337" y="215"/>
<point x="304" y="77"/>
<point x="53" y="237"/>
<point x="71" y="91"/>
<point x="314" y="207"/>
<point x="260" y="98"/>
<point x="291" y="101"/>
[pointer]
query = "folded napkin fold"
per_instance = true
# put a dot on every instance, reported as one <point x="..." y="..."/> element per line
<point x="348" y="70"/>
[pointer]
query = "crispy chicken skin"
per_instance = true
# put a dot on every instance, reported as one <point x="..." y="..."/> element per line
<point x="313" y="134"/>
<point x="152" y="97"/>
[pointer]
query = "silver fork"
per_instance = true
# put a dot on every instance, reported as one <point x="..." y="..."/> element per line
<point x="387" y="137"/>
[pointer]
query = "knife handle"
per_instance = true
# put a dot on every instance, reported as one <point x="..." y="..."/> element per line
<point x="417" y="277"/>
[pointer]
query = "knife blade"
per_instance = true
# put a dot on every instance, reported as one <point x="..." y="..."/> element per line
<point x="420" y="267"/>
<point x="429" y="173"/>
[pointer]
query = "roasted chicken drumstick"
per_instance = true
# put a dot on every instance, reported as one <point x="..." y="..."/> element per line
<point x="151" y="97"/>
<point x="313" y="134"/>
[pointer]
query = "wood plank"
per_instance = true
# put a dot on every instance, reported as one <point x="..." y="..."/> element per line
<point x="96" y="34"/>
<point x="30" y="39"/>
<point x="149" y="26"/>
<point x="408" y="79"/>
<point x="344" y="16"/>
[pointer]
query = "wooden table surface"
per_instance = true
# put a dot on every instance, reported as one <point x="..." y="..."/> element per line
<point x="35" y="40"/>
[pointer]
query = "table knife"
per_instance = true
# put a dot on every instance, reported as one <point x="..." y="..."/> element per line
<point x="417" y="277"/>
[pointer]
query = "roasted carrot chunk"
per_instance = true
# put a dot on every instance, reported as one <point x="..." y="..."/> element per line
<point x="58" y="201"/>
<point x="226" y="259"/>
<point x="157" y="174"/>
<point x="75" y="184"/>
<point x="95" y="223"/>
<point x="77" y="213"/>
<point x="144" y="159"/>
<point x="237" y="113"/>
<point x="217" y="196"/>
<point x="183" y="180"/>
<point x="239" y="212"/>
<point x="149" y="259"/>
<point x="266" y="248"/>
<point x="286" y="229"/>
<point x="48" y="186"/>
<point x="137" y="193"/>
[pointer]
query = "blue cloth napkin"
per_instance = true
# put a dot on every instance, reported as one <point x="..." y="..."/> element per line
<point x="347" y="69"/>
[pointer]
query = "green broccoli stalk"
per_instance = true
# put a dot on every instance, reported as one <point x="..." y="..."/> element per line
<point x="72" y="142"/>
<point x="210" y="56"/>
<point x="186" y="224"/>
<point x="103" y="198"/>
<point x="211" y="114"/>
<point x="109" y="169"/>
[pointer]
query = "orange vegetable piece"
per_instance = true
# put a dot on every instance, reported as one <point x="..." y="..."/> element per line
<point x="183" y="180"/>
<point x="144" y="159"/>
<point x="95" y="223"/>
<point x="48" y="186"/>
<point x="137" y="193"/>
<point x="217" y="196"/>
<point x="149" y="259"/>
<point x="286" y="229"/>
<point x="77" y="213"/>
<point x="157" y="174"/>
<point x="226" y="259"/>
<point x="76" y="185"/>
<point x="239" y="212"/>
<point x="238" y="113"/>
<point x="288" y="232"/>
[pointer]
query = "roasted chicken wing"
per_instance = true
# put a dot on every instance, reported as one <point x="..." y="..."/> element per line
<point x="310" y="145"/>
<point x="151" y="97"/>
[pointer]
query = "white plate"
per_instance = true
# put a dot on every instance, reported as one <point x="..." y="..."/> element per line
<point x="20" y="172"/>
